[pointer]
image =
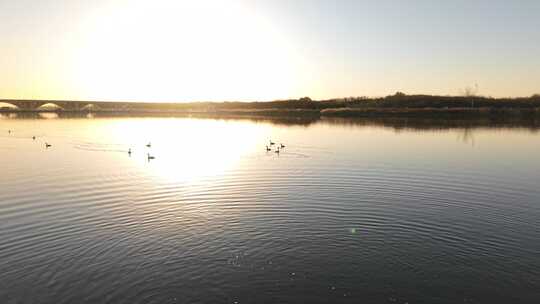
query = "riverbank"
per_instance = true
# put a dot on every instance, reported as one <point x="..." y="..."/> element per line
<point x="431" y="112"/>
<point x="395" y="105"/>
<point x="344" y="112"/>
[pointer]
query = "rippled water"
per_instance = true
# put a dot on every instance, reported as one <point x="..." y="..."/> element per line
<point x="349" y="212"/>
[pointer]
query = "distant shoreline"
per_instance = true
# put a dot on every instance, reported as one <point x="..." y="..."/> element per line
<point x="432" y="112"/>
<point x="398" y="105"/>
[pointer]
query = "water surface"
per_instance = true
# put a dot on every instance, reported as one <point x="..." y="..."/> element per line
<point x="361" y="211"/>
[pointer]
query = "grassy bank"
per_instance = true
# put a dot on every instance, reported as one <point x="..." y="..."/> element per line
<point x="401" y="101"/>
<point x="430" y="112"/>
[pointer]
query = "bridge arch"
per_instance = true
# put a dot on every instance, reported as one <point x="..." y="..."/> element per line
<point x="90" y="107"/>
<point x="49" y="106"/>
<point x="7" y="106"/>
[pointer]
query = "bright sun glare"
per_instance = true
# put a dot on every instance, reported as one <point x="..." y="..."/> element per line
<point x="168" y="50"/>
<point x="189" y="150"/>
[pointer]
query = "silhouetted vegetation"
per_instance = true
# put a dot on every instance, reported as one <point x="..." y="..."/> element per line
<point x="431" y="112"/>
<point x="427" y="105"/>
<point x="397" y="105"/>
<point x="402" y="101"/>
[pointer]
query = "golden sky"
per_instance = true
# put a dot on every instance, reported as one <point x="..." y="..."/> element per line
<point x="169" y="50"/>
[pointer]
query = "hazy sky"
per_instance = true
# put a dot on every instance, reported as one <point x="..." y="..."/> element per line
<point x="266" y="49"/>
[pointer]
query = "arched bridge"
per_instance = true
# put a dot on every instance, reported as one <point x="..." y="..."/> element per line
<point x="33" y="105"/>
<point x="107" y="106"/>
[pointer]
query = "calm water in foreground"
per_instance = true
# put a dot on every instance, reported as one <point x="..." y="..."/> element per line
<point x="349" y="212"/>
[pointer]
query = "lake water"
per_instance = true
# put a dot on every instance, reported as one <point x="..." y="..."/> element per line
<point x="361" y="211"/>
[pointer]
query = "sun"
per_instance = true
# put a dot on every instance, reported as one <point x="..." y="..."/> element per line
<point x="167" y="50"/>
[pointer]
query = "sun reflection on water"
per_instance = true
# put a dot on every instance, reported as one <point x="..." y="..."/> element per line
<point x="188" y="150"/>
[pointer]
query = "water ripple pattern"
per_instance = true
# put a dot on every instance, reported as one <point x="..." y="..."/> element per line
<point x="343" y="214"/>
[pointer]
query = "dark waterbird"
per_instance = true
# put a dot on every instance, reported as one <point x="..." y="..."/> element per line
<point x="47" y="145"/>
<point x="268" y="149"/>
<point x="33" y="138"/>
<point x="272" y="143"/>
<point x="150" y="157"/>
<point x="149" y="145"/>
<point x="282" y="146"/>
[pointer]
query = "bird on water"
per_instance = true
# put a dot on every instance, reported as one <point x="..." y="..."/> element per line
<point x="47" y="145"/>
<point x="149" y="145"/>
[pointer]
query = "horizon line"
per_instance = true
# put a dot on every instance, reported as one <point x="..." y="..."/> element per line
<point x="7" y="100"/>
